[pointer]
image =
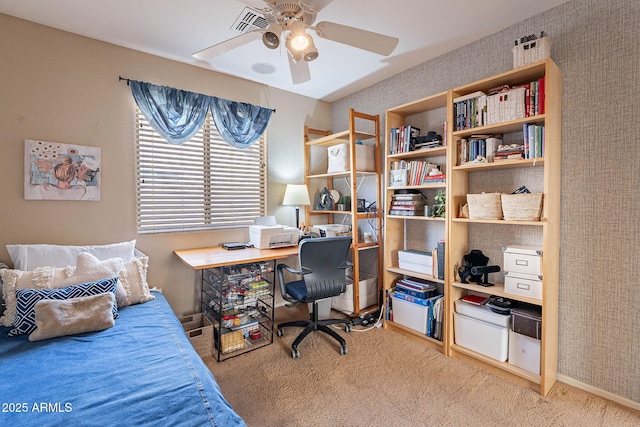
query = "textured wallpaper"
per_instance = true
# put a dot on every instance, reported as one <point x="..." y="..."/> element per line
<point x="595" y="44"/>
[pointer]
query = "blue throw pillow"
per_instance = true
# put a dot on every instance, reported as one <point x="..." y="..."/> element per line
<point x="26" y="299"/>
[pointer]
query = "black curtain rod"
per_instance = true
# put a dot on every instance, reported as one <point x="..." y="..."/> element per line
<point x="120" y="78"/>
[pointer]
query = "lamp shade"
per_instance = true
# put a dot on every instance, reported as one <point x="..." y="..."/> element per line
<point x="296" y="194"/>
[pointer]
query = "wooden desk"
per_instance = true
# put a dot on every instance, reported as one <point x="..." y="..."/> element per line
<point x="202" y="258"/>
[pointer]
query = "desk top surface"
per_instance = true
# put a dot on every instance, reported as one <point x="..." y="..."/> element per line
<point x="202" y="258"/>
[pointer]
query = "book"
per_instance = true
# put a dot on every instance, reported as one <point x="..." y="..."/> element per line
<point x="475" y="299"/>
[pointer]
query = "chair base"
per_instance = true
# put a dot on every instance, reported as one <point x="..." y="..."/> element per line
<point x="314" y="324"/>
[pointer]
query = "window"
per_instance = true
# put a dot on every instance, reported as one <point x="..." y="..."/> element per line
<point x="203" y="184"/>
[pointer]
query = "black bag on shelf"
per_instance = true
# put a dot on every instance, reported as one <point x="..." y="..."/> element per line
<point x="475" y="258"/>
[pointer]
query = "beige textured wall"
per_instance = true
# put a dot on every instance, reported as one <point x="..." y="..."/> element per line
<point x="59" y="87"/>
<point x="595" y="44"/>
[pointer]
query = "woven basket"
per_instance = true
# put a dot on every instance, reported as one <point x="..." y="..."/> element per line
<point x="522" y="207"/>
<point x="485" y="206"/>
<point x="200" y="332"/>
<point x="531" y="51"/>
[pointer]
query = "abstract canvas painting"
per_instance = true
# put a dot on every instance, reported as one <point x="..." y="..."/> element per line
<point x="56" y="171"/>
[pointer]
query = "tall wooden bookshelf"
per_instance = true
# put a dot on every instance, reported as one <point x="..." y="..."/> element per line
<point x="410" y="232"/>
<point x="463" y="234"/>
<point x="363" y="129"/>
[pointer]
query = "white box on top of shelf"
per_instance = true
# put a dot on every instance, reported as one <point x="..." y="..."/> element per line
<point x="524" y="352"/>
<point x="482" y="337"/>
<point x="368" y="291"/>
<point x="339" y="160"/>
<point x="523" y="259"/>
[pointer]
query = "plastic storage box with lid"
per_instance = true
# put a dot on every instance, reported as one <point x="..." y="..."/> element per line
<point x="478" y="328"/>
<point x="411" y="312"/>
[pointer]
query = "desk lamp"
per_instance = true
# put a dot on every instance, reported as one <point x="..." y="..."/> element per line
<point x="296" y="195"/>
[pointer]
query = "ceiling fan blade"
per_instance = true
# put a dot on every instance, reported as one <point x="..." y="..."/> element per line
<point x="299" y="70"/>
<point x="314" y="6"/>
<point x="228" y="45"/>
<point x="362" y="39"/>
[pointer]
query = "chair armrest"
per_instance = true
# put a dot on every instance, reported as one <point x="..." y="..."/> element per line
<point x="281" y="282"/>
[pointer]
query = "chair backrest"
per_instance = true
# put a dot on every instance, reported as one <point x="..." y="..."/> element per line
<point x="326" y="258"/>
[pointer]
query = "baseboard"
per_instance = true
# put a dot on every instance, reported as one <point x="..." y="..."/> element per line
<point x="598" y="392"/>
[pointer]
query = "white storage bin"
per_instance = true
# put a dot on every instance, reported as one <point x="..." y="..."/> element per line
<point x="339" y="160"/>
<point x="506" y="106"/>
<point x="523" y="259"/>
<point x="524" y="285"/>
<point x="482" y="312"/>
<point x="524" y="352"/>
<point x="368" y="290"/>
<point x="482" y="337"/>
<point x="411" y="315"/>
<point x="324" y="308"/>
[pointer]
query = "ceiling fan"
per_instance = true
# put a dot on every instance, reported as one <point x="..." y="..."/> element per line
<point x="289" y="20"/>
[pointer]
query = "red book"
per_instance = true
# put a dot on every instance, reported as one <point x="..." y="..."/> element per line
<point x="475" y="299"/>
<point x="541" y="97"/>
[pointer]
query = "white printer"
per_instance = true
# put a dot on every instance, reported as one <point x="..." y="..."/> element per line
<point x="267" y="234"/>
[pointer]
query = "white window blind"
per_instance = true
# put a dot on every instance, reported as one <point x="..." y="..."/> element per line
<point x="202" y="184"/>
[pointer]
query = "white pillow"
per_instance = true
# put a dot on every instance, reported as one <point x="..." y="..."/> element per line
<point x="40" y="278"/>
<point x="134" y="280"/>
<point x="29" y="257"/>
<point x="90" y="269"/>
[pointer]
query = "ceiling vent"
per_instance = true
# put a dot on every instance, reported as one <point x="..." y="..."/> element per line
<point x="249" y="20"/>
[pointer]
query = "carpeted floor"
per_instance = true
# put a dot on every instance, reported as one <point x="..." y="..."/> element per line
<point x="389" y="380"/>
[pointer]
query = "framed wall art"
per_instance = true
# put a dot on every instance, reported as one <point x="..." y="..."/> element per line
<point x="56" y="171"/>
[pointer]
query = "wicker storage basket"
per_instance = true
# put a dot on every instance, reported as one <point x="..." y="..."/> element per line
<point x="200" y="332"/>
<point x="531" y="51"/>
<point x="522" y="207"/>
<point x="484" y="206"/>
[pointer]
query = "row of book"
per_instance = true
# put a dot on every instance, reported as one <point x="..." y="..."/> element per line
<point x="531" y="147"/>
<point x="481" y="109"/>
<point x="533" y="138"/>
<point x="415" y="172"/>
<point x="407" y="138"/>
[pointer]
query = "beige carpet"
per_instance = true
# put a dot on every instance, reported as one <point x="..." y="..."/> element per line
<point x="389" y="380"/>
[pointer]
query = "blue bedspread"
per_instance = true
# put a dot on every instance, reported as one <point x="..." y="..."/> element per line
<point x="141" y="372"/>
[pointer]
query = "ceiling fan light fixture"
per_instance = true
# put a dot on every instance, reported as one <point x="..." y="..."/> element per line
<point x="310" y="53"/>
<point x="300" y="42"/>
<point x="271" y="40"/>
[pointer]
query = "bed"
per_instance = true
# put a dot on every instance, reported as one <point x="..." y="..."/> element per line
<point x="143" y="371"/>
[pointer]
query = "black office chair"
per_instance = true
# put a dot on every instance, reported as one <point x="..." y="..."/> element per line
<point x="322" y="275"/>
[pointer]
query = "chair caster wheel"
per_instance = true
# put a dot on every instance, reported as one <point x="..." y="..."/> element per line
<point x="343" y="349"/>
<point x="347" y="328"/>
<point x="295" y="354"/>
<point x="279" y="332"/>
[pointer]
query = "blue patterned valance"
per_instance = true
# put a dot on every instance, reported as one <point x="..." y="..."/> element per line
<point x="178" y="115"/>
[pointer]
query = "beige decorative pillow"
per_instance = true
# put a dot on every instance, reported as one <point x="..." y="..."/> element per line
<point x="90" y="269"/>
<point x="57" y="318"/>
<point x="40" y="278"/>
<point x="134" y="280"/>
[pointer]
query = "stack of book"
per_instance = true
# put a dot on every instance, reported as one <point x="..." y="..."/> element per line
<point x="407" y="204"/>
<point x="509" y="152"/>
<point x="400" y="139"/>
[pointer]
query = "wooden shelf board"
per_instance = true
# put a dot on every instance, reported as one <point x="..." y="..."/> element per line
<point x="418" y="187"/>
<point x="339" y="174"/>
<point x="498" y="128"/>
<point x="339" y="138"/>
<point x="497" y="289"/>
<point x="438" y="100"/>
<point x="504" y="366"/>
<point x="417" y="217"/>
<point x="499" y="221"/>
<point x="414" y="274"/>
<point x="425" y="152"/>
<point x="504" y="164"/>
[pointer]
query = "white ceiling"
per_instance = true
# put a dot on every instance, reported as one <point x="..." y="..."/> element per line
<point x="176" y="29"/>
